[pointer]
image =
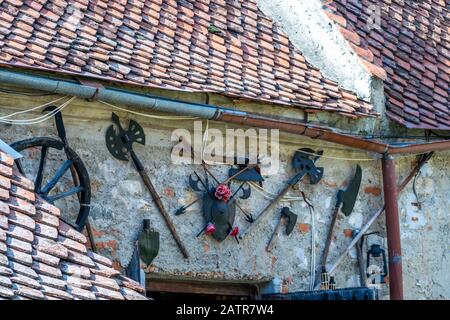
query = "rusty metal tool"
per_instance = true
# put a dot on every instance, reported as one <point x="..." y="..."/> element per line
<point x="347" y="199"/>
<point x="120" y="145"/>
<point x="286" y="215"/>
<point x="304" y="163"/>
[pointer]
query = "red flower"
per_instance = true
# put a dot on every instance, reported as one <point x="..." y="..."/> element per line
<point x="210" y="228"/>
<point x="234" y="232"/>
<point x="223" y="192"/>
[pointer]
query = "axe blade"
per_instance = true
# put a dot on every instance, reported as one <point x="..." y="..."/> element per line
<point x="350" y="195"/>
<point x="292" y="220"/>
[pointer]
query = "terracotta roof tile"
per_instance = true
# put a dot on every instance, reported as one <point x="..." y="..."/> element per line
<point x="145" y="42"/>
<point x="41" y="257"/>
<point x="408" y="49"/>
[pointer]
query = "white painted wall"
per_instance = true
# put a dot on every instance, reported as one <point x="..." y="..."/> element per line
<point x="312" y="32"/>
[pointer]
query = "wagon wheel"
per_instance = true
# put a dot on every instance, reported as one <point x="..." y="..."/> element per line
<point x="80" y="177"/>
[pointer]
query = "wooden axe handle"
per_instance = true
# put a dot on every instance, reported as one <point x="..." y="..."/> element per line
<point x="326" y="249"/>
<point x="157" y="199"/>
<point x="266" y="211"/>
<point x="276" y="231"/>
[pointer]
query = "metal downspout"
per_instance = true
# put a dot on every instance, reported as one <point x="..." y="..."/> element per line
<point x="392" y="228"/>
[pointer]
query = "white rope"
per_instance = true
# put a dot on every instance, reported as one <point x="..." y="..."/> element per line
<point x="31" y="109"/>
<point x="149" y="115"/>
<point x="337" y="158"/>
<point x="40" y="118"/>
<point x="271" y="196"/>
<point x="205" y="140"/>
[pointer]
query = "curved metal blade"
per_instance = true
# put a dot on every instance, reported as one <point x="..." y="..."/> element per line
<point x="136" y="133"/>
<point x="120" y="142"/>
<point x="246" y="192"/>
<point x="291" y="224"/>
<point x="301" y="156"/>
<point x="350" y="195"/>
<point x="193" y="183"/>
<point x="115" y="145"/>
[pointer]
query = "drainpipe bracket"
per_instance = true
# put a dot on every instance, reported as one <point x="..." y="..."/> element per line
<point x="98" y="86"/>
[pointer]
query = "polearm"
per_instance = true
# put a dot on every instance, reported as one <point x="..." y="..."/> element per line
<point x="375" y="216"/>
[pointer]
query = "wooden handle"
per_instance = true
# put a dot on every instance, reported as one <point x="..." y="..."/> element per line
<point x="274" y="235"/>
<point x="361" y="267"/>
<point x="329" y="238"/>
<point x="162" y="210"/>
<point x="266" y="210"/>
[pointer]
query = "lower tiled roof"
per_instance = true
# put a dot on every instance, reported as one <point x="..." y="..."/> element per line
<point x="406" y="43"/>
<point x="227" y="47"/>
<point x="41" y="257"/>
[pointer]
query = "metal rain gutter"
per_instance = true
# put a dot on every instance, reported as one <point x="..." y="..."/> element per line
<point x="204" y="111"/>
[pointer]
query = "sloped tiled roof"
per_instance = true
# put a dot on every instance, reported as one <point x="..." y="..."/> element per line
<point x="227" y="47"/>
<point x="41" y="257"/>
<point x="410" y="48"/>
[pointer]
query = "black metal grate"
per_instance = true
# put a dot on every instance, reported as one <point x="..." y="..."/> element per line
<point x="338" y="294"/>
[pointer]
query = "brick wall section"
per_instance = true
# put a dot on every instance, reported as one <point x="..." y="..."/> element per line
<point x="41" y="257"/>
<point x="226" y="47"/>
<point x="406" y="43"/>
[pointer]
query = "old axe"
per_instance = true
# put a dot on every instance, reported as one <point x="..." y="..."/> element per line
<point x="120" y="145"/>
<point x="347" y="199"/>
<point x="291" y="219"/>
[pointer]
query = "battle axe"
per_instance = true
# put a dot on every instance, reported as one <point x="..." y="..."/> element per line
<point x="291" y="218"/>
<point x="347" y="199"/>
<point x="120" y="145"/>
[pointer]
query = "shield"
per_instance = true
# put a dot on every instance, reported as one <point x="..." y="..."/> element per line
<point x="221" y="213"/>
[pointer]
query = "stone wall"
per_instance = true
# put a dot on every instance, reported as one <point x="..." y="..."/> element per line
<point x="120" y="203"/>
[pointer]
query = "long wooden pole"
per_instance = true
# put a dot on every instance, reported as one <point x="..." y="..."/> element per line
<point x="157" y="199"/>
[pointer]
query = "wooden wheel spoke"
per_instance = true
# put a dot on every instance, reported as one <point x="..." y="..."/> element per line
<point x="20" y="166"/>
<point x="59" y="173"/>
<point x="67" y="193"/>
<point x="38" y="180"/>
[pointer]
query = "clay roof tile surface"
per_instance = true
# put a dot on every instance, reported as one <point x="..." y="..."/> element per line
<point x="41" y="257"/>
<point x="406" y="43"/>
<point x="225" y="47"/>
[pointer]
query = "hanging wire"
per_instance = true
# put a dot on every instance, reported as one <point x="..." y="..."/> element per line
<point x="25" y="93"/>
<point x="31" y="109"/>
<point x="271" y="196"/>
<point x="40" y="118"/>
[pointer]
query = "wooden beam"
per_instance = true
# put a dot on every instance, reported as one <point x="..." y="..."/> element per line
<point x="201" y="287"/>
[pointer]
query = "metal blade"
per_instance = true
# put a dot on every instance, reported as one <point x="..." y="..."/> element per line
<point x="115" y="119"/>
<point x="350" y="195"/>
<point x="248" y="175"/>
<point x="136" y="132"/>
<point x="291" y="224"/>
<point x="115" y="145"/>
